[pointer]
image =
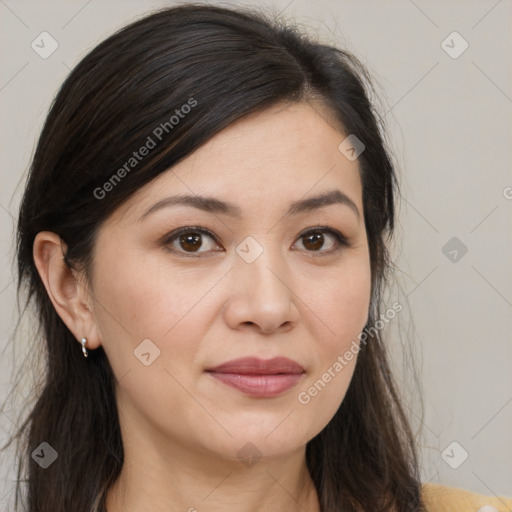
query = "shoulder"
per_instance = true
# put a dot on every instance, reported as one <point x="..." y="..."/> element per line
<point x="441" y="498"/>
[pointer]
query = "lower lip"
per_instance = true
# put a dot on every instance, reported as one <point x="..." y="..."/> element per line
<point x="262" y="386"/>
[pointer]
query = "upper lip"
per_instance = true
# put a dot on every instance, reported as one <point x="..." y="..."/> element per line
<point x="257" y="366"/>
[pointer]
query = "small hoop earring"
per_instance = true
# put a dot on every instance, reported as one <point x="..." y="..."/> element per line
<point x="84" y="350"/>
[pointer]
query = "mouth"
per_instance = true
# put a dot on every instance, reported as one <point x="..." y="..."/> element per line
<point x="258" y="377"/>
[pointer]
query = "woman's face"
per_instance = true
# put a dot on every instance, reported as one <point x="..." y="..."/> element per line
<point x="254" y="283"/>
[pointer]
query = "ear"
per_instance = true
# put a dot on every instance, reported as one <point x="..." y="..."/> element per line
<point x="70" y="297"/>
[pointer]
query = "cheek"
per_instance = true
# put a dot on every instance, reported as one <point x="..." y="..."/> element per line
<point x="138" y="302"/>
<point x="144" y="296"/>
<point x="341" y="302"/>
<point x="348" y="308"/>
<point x="341" y="309"/>
<point x="137" y="299"/>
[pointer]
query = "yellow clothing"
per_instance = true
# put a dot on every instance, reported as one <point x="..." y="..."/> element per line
<point x="441" y="498"/>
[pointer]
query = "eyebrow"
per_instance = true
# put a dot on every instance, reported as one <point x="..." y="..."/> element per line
<point x="216" y="206"/>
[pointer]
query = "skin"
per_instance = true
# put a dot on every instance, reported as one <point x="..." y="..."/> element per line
<point x="181" y="428"/>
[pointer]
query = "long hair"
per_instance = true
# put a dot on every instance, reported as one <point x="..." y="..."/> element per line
<point x="225" y="64"/>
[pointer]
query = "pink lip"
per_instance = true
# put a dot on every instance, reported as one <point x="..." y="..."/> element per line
<point x="258" y="377"/>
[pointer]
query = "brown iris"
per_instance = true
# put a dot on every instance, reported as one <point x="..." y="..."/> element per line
<point x="190" y="242"/>
<point x="317" y="241"/>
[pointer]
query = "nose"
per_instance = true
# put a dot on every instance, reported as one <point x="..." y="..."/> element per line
<point x="261" y="295"/>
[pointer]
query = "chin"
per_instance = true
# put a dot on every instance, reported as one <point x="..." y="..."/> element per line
<point x="248" y="449"/>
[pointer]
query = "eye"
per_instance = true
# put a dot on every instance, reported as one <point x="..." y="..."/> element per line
<point x="188" y="240"/>
<point x="314" y="240"/>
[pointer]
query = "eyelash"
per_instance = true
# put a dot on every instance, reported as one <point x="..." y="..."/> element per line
<point x="341" y="240"/>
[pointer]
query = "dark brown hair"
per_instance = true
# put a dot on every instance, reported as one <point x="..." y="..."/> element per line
<point x="231" y="62"/>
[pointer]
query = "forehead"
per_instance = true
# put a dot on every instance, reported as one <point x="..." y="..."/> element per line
<point x="273" y="157"/>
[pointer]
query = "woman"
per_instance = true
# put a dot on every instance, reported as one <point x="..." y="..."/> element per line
<point x="203" y="234"/>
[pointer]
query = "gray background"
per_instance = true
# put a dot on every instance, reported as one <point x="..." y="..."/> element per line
<point x="449" y="122"/>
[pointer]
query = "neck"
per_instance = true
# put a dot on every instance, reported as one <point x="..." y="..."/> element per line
<point x="197" y="483"/>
